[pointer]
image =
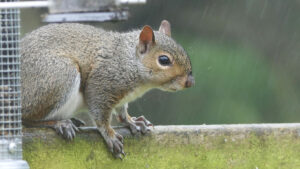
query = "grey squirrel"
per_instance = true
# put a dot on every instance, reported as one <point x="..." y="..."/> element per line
<point x="66" y="66"/>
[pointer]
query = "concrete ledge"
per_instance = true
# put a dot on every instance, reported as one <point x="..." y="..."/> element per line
<point x="195" y="146"/>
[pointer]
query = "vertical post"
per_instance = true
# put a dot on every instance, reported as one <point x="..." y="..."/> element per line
<point x="10" y="94"/>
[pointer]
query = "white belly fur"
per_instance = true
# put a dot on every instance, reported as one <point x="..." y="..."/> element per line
<point x="73" y="103"/>
<point x="136" y="93"/>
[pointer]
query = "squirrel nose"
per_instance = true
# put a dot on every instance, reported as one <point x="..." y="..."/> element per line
<point x="190" y="81"/>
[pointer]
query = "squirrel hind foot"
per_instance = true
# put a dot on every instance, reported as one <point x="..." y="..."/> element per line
<point x="68" y="128"/>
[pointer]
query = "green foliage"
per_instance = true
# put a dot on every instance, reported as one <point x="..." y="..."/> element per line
<point x="231" y="83"/>
<point x="234" y="84"/>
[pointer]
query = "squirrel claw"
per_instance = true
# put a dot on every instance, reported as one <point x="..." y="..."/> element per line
<point x="134" y="128"/>
<point x="115" y="145"/>
<point x="141" y="124"/>
<point x="120" y="137"/>
<point x="143" y="119"/>
<point x="119" y="156"/>
<point x="59" y="130"/>
<point x="66" y="128"/>
<point x="77" y="122"/>
<point x="137" y="124"/>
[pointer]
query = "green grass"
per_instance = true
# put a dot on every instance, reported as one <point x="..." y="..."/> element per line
<point x="219" y="152"/>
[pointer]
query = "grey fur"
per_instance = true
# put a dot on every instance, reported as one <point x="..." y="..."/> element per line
<point x="108" y="63"/>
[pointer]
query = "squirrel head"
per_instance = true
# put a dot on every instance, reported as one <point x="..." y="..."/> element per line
<point x="169" y="66"/>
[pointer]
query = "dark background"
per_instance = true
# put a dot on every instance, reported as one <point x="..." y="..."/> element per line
<point x="245" y="57"/>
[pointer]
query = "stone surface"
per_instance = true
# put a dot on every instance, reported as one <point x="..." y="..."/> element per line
<point x="199" y="146"/>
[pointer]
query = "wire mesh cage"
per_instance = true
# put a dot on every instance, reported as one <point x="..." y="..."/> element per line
<point x="10" y="94"/>
<point x="10" y="112"/>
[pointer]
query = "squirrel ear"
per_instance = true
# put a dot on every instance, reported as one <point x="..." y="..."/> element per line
<point x="146" y="39"/>
<point x="165" y="27"/>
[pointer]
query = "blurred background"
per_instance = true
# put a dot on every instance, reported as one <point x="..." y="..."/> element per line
<point x="245" y="58"/>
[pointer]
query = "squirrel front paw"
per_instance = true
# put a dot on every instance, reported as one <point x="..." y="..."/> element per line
<point x="138" y="124"/>
<point x="114" y="141"/>
<point x="144" y="124"/>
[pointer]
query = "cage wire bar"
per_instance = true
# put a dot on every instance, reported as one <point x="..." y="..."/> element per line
<point x="10" y="94"/>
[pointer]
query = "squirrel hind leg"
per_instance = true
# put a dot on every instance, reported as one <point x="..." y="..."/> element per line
<point x="66" y="128"/>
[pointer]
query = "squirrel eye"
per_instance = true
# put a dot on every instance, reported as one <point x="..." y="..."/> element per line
<point x="164" y="60"/>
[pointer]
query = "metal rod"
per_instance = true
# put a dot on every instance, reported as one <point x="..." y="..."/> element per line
<point x="131" y="1"/>
<point x="40" y="4"/>
<point x="87" y="17"/>
<point x="26" y="4"/>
